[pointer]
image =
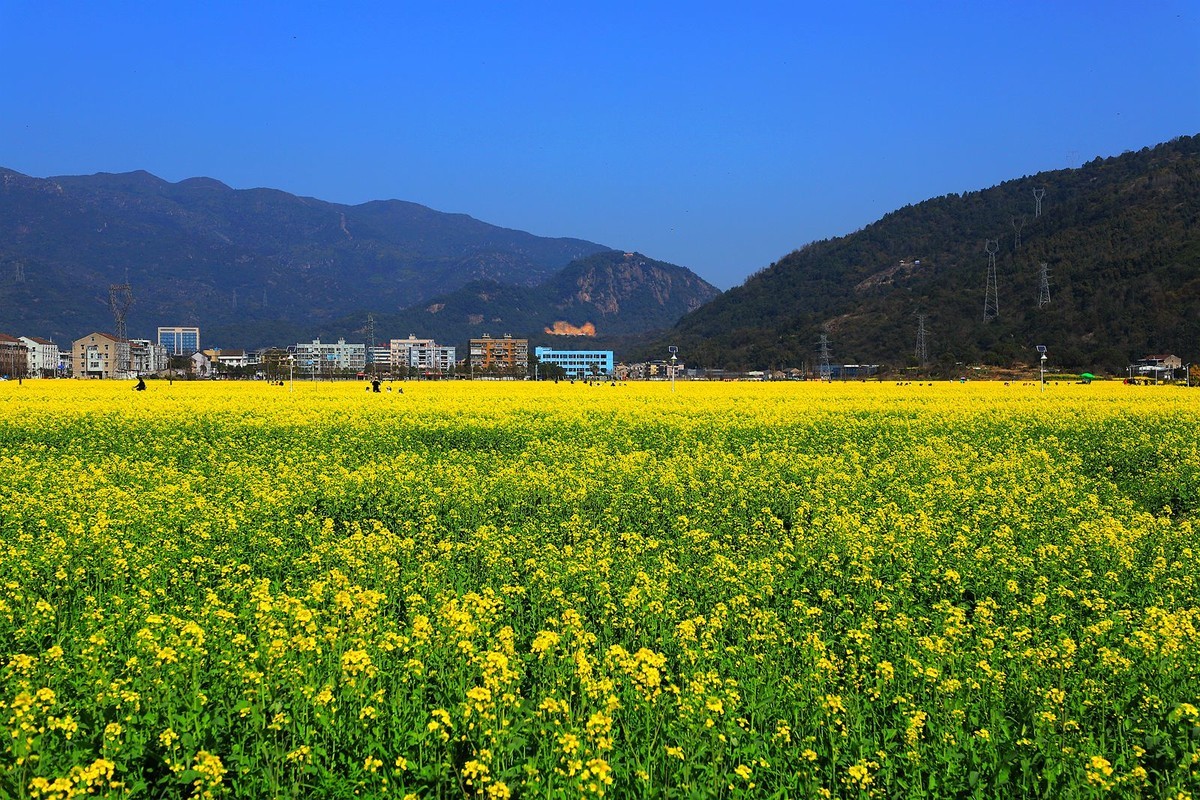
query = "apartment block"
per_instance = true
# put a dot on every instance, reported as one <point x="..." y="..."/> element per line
<point x="100" y="355"/>
<point x="323" y="358"/>
<point x="147" y="357"/>
<point x="179" y="340"/>
<point x="399" y="349"/>
<point x="506" y="354"/>
<point x="437" y="358"/>
<point x="41" y="356"/>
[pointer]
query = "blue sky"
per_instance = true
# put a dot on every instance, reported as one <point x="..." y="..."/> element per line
<point x="715" y="136"/>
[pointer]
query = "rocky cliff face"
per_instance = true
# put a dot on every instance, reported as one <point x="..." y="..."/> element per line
<point x="610" y="286"/>
<point x="604" y="295"/>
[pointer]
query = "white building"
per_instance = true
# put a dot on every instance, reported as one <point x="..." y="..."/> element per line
<point x="436" y="358"/>
<point x="229" y="359"/>
<point x="398" y="350"/>
<point x="201" y="365"/>
<point x="425" y="355"/>
<point x="379" y="358"/>
<point x="1160" y="367"/>
<point x="147" y="357"/>
<point x="323" y="359"/>
<point x="41" y="355"/>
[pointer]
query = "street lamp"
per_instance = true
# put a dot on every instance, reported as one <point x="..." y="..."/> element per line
<point x="291" y="373"/>
<point x="1041" y="348"/>
<point x="673" y="350"/>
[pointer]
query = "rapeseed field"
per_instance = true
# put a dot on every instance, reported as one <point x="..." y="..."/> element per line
<point x="517" y="590"/>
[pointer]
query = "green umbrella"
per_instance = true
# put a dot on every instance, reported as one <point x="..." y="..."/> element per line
<point x="1087" y="376"/>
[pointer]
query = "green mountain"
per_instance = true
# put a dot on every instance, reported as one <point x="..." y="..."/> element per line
<point x="260" y="266"/>
<point x="1120" y="238"/>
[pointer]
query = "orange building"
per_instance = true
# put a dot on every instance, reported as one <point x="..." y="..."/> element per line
<point x="507" y="354"/>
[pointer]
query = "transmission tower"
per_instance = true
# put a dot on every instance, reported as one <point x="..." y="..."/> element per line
<point x="823" y="353"/>
<point x="922" y="349"/>
<point x="1044" y="285"/>
<point x="1018" y="223"/>
<point x="371" y="341"/>
<point x="18" y="272"/>
<point x="120" y="300"/>
<point x="1038" y="194"/>
<point x="991" y="302"/>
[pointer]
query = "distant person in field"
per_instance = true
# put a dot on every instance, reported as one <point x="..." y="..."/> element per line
<point x="141" y="385"/>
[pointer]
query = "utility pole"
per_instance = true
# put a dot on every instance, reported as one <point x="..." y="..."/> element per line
<point x="991" y="301"/>
<point x="922" y="349"/>
<point x="120" y="300"/>
<point x="824" y="354"/>
<point x="1018" y="224"/>
<point x="371" y="342"/>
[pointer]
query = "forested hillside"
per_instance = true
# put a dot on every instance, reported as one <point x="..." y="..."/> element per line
<point x="1119" y="237"/>
<point x="254" y="266"/>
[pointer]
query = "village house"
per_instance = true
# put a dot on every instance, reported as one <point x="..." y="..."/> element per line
<point x="42" y="356"/>
<point x="99" y="355"/>
<point x="14" y="359"/>
<point x="1161" y="366"/>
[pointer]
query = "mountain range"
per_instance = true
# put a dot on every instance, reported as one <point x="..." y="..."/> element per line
<point x="1119" y="238"/>
<point x="1100" y="264"/>
<point x="260" y="266"/>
